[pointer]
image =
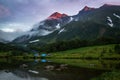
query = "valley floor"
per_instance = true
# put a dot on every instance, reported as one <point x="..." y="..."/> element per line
<point x="105" y="57"/>
<point x="92" y="52"/>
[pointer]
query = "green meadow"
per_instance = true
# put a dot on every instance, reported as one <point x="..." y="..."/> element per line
<point x="92" y="52"/>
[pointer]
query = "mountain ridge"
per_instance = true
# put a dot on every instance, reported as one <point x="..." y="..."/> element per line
<point x="83" y="25"/>
<point x="86" y="8"/>
<point x="57" y="15"/>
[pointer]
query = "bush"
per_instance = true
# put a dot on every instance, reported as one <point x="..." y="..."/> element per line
<point x="115" y="75"/>
<point x="117" y="48"/>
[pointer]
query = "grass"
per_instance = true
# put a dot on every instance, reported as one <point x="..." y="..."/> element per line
<point x="92" y="52"/>
<point x="19" y="57"/>
<point x="98" y="56"/>
<point x="104" y="51"/>
<point x="114" y="75"/>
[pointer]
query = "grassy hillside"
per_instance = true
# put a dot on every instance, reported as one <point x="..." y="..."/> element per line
<point x="104" y="51"/>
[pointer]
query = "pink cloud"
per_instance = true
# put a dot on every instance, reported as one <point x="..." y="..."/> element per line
<point x="4" y="11"/>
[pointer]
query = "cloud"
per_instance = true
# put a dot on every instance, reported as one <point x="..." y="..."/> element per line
<point x="14" y="27"/>
<point x="9" y="36"/>
<point x="4" y="11"/>
<point x="8" y="30"/>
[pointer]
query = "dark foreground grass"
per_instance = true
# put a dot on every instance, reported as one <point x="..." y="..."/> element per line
<point x="114" y="75"/>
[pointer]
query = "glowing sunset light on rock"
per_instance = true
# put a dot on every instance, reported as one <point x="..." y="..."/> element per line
<point x="86" y="8"/>
<point x="57" y="15"/>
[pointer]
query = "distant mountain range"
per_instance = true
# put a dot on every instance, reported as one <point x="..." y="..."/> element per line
<point x="88" y="24"/>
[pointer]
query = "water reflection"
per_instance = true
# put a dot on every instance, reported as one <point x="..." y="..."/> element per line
<point x="42" y="69"/>
<point x="42" y="60"/>
<point x="92" y="64"/>
<point x="18" y="75"/>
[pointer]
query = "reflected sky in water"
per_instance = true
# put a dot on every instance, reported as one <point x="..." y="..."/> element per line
<point x="42" y="69"/>
<point x="23" y="76"/>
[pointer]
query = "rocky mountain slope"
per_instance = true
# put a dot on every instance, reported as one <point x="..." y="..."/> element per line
<point x="88" y="24"/>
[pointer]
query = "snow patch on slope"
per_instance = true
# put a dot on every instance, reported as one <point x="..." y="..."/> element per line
<point x="116" y="15"/>
<point x="62" y="30"/>
<point x="35" y="72"/>
<point x="34" y="41"/>
<point x="71" y="19"/>
<point x="110" y="23"/>
<point x="58" y="26"/>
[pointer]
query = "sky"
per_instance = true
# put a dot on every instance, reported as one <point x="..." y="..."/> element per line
<point x="21" y="15"/>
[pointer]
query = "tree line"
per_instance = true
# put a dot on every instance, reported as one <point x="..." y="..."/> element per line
<point x="11" y="49"/>
<point x="72" y="44"/>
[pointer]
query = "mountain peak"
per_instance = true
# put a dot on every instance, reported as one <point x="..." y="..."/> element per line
<point x="57" y="15"/>
<point x="86" y="8"/>
<point x="108" y="5"/>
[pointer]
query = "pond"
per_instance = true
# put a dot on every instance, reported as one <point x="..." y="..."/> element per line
<point x="62" y="69"/>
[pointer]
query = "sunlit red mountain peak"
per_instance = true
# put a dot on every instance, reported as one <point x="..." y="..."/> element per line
<point x="57" y="15"/>
<point x="86" y="8"/>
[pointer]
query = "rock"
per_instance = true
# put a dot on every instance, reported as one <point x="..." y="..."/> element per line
<point x="7" y="71"/>
<point x="32" y="71"/>
<point x="49" y="67"/>
<point x="63" y="66"/>
<point x="24" y="66"/>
